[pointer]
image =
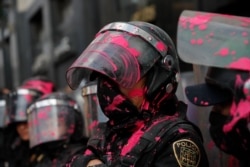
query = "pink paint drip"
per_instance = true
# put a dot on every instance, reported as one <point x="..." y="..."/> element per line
<point x="42" y="115"/>
<point x="203" y="27"/>
<point x="157" y="138"/>
<point x="197" y="41"/>
<point x="199" y="20"/>
<point x="238" y="81"/>
<point x="243" y="63"/>
<point x="88" y="152"/>
<point x="116" y="101"/>
<point x="223" y="52"/>
<point x="134" y="52"/>
<point x="182" y="130"/>
<point x="195" y="99"/>
<point x="119" y="40"/>
<point x="204" y="103"/>
<point x="93" y="124"/>
<point x="244" y="34"/>
<point x="238" y="111"/>
<point x="210" y="145"/>
<point x="136" y="93"/>
<point x="161" y="46"/>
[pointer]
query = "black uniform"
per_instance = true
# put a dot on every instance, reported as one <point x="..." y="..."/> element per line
<point x="15" y="151"/>
<point x="51" y="157"/>
<point x="236" y="142"/>
<point x="170" y="140"/>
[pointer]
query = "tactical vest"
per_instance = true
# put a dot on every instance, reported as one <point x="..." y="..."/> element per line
<point x="147" y="142"/>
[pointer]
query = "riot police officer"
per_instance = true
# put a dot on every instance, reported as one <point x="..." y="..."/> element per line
<point x="17" y="139"/>
<point x="137" y="71"/>
<point x="56" y="130"/>
<point x="225" y="54"/>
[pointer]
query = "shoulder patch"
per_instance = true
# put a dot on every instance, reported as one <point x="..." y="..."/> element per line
<point x="187" y="153"/>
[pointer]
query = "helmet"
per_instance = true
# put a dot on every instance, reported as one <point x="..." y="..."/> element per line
<point x="30" y="90"/>
<point x="54" y="117"/>
<point x="127" y="51"/>
<point x="40" y="84"/>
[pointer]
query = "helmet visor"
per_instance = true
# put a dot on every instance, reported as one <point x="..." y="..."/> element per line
<point x="122" y="55"/>
<point x="50" y="120"/>
<point x="18" y="103"/>
<point x="91" y="108"/>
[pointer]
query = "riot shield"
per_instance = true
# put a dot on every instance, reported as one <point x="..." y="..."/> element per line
<point x="212" y="39"/>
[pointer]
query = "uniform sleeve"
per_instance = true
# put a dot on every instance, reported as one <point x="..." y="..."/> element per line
<point x="183" y="148"/>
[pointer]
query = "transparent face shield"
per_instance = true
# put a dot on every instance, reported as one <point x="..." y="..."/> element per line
<point x="50" y="120"/>
<point x="121" y="51"/>
<point x="91" y="109"/>
<point x="18" y="103"/>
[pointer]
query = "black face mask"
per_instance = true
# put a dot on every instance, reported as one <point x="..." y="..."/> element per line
<point x="119" y="109"/>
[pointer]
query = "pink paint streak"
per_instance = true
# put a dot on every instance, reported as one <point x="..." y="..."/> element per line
<point x="134" y="52"/>
<point x="93" y="124"/>
<point x="133" y="140"/>
<point x="238" y="111"/>
<point x="116" y="101"/>
<point x="195" y="99"/>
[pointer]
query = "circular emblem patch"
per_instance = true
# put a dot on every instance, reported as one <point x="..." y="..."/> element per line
<point x="187" y="153"/>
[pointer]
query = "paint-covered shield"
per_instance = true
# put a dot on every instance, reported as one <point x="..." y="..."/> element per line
<point x="122" y="51"/>
<point x="50" y="120"/>
<point x="214" y="39"/>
